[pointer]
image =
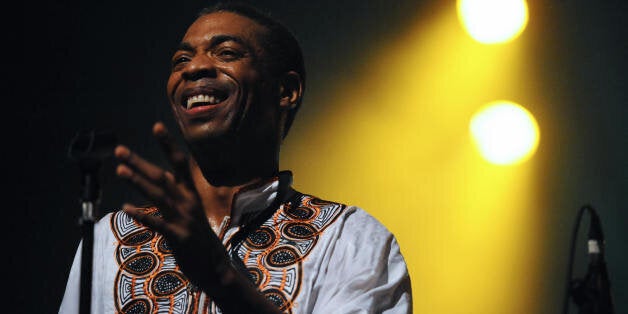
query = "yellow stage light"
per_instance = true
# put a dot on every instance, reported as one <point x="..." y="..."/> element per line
<point x="493" y="21"/>
<point x="393" y="138"/>
<point x="504" y="133"/>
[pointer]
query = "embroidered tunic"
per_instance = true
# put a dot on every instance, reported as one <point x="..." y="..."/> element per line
<point x="309" y="256"/>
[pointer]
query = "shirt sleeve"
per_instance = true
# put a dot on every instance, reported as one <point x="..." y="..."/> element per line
<point x="366" y="272"/>
<point x="70" y="302"/>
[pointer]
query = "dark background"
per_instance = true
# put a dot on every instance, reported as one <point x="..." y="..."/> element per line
<point x="82" y="65"/>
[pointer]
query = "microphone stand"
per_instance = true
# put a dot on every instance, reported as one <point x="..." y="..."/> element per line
<point x="89" y="198"/>
<point x="89" y="150"/>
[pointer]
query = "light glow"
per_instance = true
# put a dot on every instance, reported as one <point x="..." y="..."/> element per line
<point x="493" y="21"/>
<point x="394" y="140"/>
<point x="504" y="133"/>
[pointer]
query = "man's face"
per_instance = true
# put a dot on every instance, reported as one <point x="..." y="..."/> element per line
<point x="219" y="84"/>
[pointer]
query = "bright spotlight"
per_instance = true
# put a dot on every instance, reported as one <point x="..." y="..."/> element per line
<point x="493" y="21"/>
<point x="504" y="133"/>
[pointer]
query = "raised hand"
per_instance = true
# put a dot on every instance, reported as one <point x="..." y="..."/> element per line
<point x="184" y="224"/>
<point x="198" y="251"/>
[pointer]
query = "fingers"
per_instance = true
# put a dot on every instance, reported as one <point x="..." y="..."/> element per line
<point x="150" y="221"/>
<point x="172" y="192"/>
<point x="155" y="183"/>
<point x="147" y="187"/>
<point x="148" y="169"/>
<point x="178" y="159"/>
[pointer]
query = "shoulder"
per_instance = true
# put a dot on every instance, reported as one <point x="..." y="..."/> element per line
<point x="359" y="219"/>
<point x="361" y="236"/>
<point x="361" y="264"/>
<point x="348" y="222"/>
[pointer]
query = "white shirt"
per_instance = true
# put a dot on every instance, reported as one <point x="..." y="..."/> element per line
<point x="310" y="256"/>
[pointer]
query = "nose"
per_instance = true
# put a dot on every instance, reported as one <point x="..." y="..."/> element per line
<point x="200" y="66"/>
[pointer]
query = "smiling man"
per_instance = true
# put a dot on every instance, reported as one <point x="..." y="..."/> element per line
<point x="227" y="232"/>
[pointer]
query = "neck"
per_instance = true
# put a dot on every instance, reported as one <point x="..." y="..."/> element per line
<point x="216" y="189"/>
<point x="232" y="161"/>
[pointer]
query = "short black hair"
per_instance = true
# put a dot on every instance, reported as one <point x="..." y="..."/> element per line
<point x="280" y="42"/>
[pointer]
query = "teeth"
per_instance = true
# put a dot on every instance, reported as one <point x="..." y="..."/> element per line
<point x="212" y="100"/>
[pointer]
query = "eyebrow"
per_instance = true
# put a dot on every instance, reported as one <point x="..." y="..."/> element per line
<point x="216" y="40"/>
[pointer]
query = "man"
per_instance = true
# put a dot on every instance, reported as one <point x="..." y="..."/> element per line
<point x="227" y="232"/>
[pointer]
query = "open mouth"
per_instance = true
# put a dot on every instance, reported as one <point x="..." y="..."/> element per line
<point x="205" y="99"/>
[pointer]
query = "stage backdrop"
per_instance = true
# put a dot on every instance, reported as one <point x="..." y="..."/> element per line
<point x="391" y="89"/>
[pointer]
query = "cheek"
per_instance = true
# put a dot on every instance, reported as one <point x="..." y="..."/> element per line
<point x="173" y="81"/>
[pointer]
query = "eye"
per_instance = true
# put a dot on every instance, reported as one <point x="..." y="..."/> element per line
<point x="228" y="54"/>
<point x="178" y="60"/>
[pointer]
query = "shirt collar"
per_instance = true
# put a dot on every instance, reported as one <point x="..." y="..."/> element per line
<point x="251" y="199"/>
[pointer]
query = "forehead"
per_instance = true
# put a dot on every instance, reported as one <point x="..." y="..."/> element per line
<point x="215" y="24"/>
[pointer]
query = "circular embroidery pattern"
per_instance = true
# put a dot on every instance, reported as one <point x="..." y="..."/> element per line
<point x="273" y="254"/>
<point x="261" y="238"/>
<point x="138" y="238"/>
<point x="163" y="246"/>
<point x="167" y="283"/>
<point x="282" y="256"/>
<point x="140" y="264"/>
<point x="255" y="275"/>
<point x="277" y="298"/>
<point x="139" y="306"/>
<point x="300" y="213"/>
<point x="298" y="230"/>
<point x="319" y="202"/>
<point x="148" y="278"/>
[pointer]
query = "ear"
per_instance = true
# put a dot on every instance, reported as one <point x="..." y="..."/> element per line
<point x="290" y="90"/>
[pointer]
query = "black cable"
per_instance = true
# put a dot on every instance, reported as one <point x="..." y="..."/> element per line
<point x="572" y="253"/>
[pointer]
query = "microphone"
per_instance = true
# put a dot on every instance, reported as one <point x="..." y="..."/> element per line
<point x="593" y="293"/>
<point x="93" y="144"/>
<point x="89" y="149"/>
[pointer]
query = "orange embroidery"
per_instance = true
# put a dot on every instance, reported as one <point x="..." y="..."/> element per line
<point x="273" y="253"/>
<point x="149" y="278"/>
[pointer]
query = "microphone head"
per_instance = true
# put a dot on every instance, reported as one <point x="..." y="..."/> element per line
<point x="89" y="148"/>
